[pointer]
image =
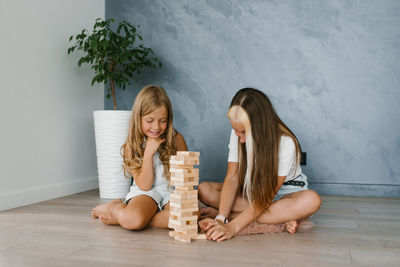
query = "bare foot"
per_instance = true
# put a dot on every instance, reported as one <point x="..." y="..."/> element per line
<point x="108" y="219"/>
<point x="208" y="212"/>
<point x="104" y="209"/>
<point x="291" y="226"/>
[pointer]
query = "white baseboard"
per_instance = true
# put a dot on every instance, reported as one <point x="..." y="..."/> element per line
<point x="42" y="193"/>
<point x="361" y="190"/>
<point x="346" y="189"/>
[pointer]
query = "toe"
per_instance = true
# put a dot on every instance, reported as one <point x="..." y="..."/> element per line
<point x="103" y="219"/>
<point x="291" y="227"/>
<point x="94" y="214"/>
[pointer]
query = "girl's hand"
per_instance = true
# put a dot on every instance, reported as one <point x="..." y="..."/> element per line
<point x="207" y="223"/>
<point x="217" y="230"/>
<point x="152" y="145"/>
<point x="220" y="232"/>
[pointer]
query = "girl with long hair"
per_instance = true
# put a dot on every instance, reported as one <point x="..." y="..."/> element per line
<point x="150" y="143"/>
<point x="264" y="180"/>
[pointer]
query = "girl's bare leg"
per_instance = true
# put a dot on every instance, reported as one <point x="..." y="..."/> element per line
<point x="210" y="193"/>
<point x="161" y="218"/>
<point x="136" y="215"/>
<point x="105" y="208"/>
<point x="289" y="210"/>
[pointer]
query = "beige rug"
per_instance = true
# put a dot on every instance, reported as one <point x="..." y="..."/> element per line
<point x="262" y="228"/>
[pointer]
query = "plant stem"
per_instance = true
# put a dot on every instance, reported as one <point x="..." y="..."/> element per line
<point x="113" y="93"/>
<point x="113" y="86"/>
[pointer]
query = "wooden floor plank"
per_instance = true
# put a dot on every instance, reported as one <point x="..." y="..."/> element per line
<point x="349" y="231"/>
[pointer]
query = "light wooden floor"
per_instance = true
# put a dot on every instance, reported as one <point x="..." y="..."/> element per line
<point x="350" y="231"/>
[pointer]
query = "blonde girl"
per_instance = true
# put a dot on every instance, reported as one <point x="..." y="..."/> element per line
<point x="150" y="143"/>
<point x="264" y="181"/>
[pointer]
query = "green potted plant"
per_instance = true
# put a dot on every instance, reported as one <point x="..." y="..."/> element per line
<point x="116" y="58"/>
<point x="113" y="55"/>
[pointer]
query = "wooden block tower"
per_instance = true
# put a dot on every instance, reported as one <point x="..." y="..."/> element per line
<point x="184" y="201"/>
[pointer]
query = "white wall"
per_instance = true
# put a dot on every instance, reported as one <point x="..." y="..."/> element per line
<point x="46" y="128"/>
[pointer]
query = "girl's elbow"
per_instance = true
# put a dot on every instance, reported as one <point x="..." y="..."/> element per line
<point x="233" y="181"/>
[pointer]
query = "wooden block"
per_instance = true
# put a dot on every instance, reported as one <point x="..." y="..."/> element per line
<point x="180" y="188"/>
<point x="183" y="201"/>
<point x="200" y="237"/>
<point x="182" y="223"/>
<point x="173" y="233"/>
<point x="181" y="166"/>
<point x="185" y="193"/>
<point x="185" y="162"/>
<point x="180" y="179"/>
<point x="182" y="228"/>
<point x="186" y="236"/>
<point x="188" y="153"/>
<point x="175" y="223"/>
<point x="195" y="180"/>
<point x="191" y="217"/>
<point x="183" y="205"/>
<point x="194" y="170"/>
<point x="185" y="228"/>
<point x="180" y="214"/>
<point x="187" y="231"/>
<point x="174" y="170"/>
<point x="184" y="185"/>
<point x="183" y="196"/>
<point x="174" y="209"/>
<point x="183" y="170"/>
<point x="185" y="175"/>
<point x="184" y="179"/>
<point x="184" y="240"/>
<point x="182" y="235"/>
<point x="184" y="158"/>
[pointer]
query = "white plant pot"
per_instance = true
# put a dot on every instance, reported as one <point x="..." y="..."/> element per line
<point x="111" y="129"/>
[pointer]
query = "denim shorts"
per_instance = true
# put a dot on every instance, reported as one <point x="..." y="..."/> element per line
<point x="288" y="189"/>
<point x="160" y="194"/>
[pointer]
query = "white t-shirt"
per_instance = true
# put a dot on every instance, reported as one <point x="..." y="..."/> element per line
<point x="287" y="156"/>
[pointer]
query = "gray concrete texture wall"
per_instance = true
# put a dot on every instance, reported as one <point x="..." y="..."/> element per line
<point x="331" y="69"/>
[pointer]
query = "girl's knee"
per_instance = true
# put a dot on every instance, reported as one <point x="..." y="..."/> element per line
<point x="132" y="220"/>
<point x="204" y="190"/>
<point x="311" y="200"/>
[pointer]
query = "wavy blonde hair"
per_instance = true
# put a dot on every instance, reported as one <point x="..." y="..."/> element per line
<point x="148" y="100"/>
<point x="259" y="156"/>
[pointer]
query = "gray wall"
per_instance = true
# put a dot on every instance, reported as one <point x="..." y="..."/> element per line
<point x="331" y="69"/>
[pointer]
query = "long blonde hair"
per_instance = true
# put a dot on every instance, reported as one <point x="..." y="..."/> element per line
<point x="259" y="156"/>
<point x="149" y="99"/>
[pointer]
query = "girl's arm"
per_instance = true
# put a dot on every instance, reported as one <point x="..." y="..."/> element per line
<point x="229" y="189"/>
<point x="145" y="179"/>
<point x="180" y="143"/>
